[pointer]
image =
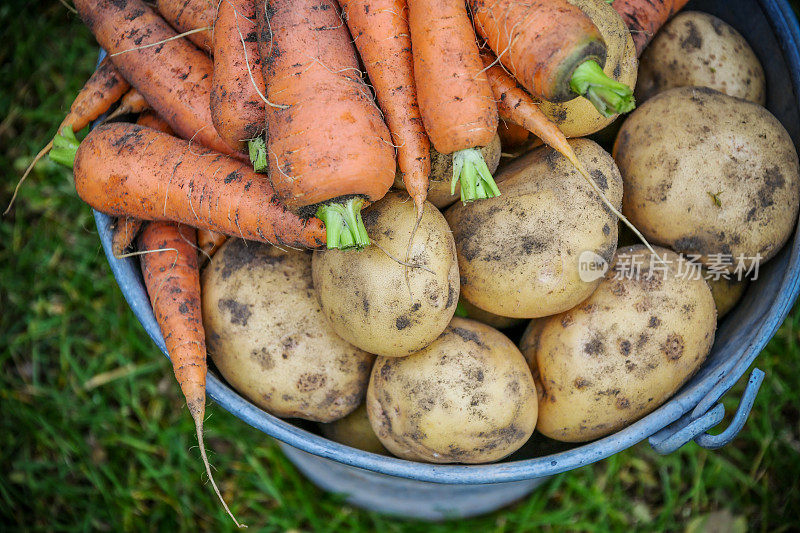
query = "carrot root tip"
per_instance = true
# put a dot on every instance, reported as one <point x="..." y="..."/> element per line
<point x="257" y="149"/>
<point x="470" y="170"/>
<point x="343" y="224"/>
<point x="65" y="146"/>
<point x="610" y="97"/>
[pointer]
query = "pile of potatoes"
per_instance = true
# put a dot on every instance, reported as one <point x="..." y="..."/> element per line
<point x="397" y="349"/>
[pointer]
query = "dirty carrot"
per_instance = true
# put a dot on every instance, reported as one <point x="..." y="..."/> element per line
<point x="132" y="102"/>
<point x="380" y="32"/>
<point x="237" y="90"/>
<point x="172" y="278"/>
<point x="173" y="76"/>
<point x="455" y="99"/>
<point x="126" y="228"/>
<point x="188" y="15"/>
<point x="209" y="242"/>
<point x="553" y="49"/>
<point x="645" y="17"/>
<point x="125" y="169"/>
<point x="328" y="148"/>
<point x="517" y="107"/>
<point x="102" y="90"/>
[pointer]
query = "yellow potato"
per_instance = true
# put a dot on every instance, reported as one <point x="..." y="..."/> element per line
<point x="269" y="339"/>
<point x="578" y="117"/>
<point x="467" y="398"/>
<point x="490" y="319"/>
<point x="726" y="293"/>
<point x="698" y="49"/>
<point x="519" y="254"/>
<point x="355" y="431"/>
<point x="709" y="175"/>
<point x="621" y="353"/>
<point x="375" y="302"/>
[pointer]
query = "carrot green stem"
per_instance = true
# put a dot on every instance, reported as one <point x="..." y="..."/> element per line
<point x="257" y="149"/>
<point x="461" y="311"/>
<point x="471" y="171"/>
<point x="610" y="97"/>
<point x="343" y="224"/>
<point x="65" y="146"/>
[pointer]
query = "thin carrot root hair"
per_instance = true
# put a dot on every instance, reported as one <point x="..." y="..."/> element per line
<point x="43" y="152"/>
<point x="150" y="45"/>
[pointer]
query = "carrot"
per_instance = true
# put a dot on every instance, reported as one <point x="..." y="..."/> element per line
<point x="237" y="90"/>
<point x="517" y="107"/>
<point x="173" y="76"/>
<point x="125" y="231"/>
<point x="512" y="136"/>
<point x="645" y="17"/>
<point x="132" y="102"/>
<point x="126" y="228"/>
<point x="129" y="170"/>
<point x="454" y="95"/>
<point x="380" y="31"/>
<point x="326" y="143"/>
<point x="209" y="242"/>
<point x="172" y="278"/>
<point x="103" y="88"/>
<point x="190" y="15"/>
<point x="553" y="49"/>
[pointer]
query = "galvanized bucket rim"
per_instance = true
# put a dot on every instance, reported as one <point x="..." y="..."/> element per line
<point x="785" y="25"/>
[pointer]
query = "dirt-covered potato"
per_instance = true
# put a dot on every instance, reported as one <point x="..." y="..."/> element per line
<point x="366" y="295"/>
<point x="622" y="352"/>
<point x="709" y="174"/>
<point x="579" y="117"/>
<point x="467" y="398"/>
<point x="355" y="431"/>
<point x="442" y="174"/>
<point x="698" y="49"/>
<point x="519" y="254"/>
<point x="268" y="337"/>
<point x="490" y="319"/>
<point x="726" y="293"/>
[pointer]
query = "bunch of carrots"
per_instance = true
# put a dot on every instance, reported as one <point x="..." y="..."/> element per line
<point x="256" y="121"/>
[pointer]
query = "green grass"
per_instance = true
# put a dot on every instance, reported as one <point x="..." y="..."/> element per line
<point x="94" y="434"/>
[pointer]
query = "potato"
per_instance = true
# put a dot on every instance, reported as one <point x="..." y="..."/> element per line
<point x="726" y="293"/>
<point x="364" y="293"/>
<point x="519" y="253"/>
<point x="442" y="174"/>
<point x="268" y="337"/>
<point x="490" y="319"/>
<point x="578" y="117"/>
<point x="709" y="174"/>
<point x="355" y="431"/>
<point x="467" y="398"/>
<point x="698" y="49"/>
<point x="621" y="353"/>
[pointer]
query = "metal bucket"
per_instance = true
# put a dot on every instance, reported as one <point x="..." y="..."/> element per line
<point x="396" y="486"/>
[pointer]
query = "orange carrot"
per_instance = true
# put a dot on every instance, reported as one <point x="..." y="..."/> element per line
<point x="173" y="75"/>
<point x="380" y="31"/>
<point x="645" y="17"/>
<point x="237" y="90"/>
<point x="326" y="138"/>
<point x="103" y="88"/>
<point x="132" y="102"/>
<point x="190" y="15"/>
<point x="128" y="170"/>
<point x="454" y="96"/>
<point x="126" y="228"/>
<point x="554" y="50"/>
<point x="512" y="136"/>
<point x="209" y="242"/>
<point x="517" y="107"/>
<point x="172" y="278"/>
